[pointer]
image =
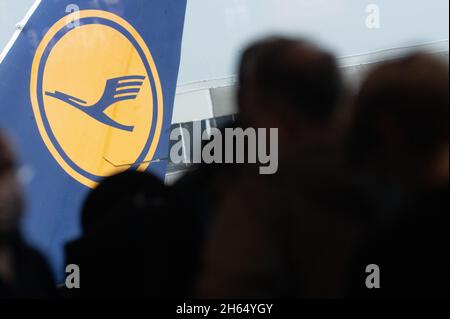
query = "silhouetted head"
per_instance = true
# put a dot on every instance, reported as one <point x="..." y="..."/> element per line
<point x="287" y="81"/>
<point x="401" y="123"/>
<point x="10" y="191"/>
<point x="124" y="193"/>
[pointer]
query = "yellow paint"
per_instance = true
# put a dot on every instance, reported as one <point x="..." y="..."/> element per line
<point x="79" y="64"/>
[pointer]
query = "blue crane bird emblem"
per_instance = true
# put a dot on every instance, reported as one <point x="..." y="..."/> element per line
<point x="116" y="90"/>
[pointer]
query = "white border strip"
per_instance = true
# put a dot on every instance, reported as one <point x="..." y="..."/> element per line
<point x="344" y="62"/>
<point x="19" y="28"/>
<point x="392" y="53"/>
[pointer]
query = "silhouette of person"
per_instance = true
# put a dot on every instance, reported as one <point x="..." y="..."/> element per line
<point x="133" y="242"/>
<point x="289" y="234"/>
<point x="23" y="271"/>
<point x="399" y="148"/>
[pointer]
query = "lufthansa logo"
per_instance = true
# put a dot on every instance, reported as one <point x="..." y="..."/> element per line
<point x="96" y="96"/>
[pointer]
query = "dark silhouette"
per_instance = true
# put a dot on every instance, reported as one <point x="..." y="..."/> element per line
<point x="200" y="192"/>
<point x="291" y="85"/>
<point x="399" y="148"/>
<point x="289" y="73"/>
<point x="23" y="271"/>
<point x="290" y="234"/>
<point x="133" y="242"/>
<point x="346" y="195"/>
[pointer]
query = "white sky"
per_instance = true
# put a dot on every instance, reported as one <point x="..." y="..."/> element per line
<point x="216" y="30"/>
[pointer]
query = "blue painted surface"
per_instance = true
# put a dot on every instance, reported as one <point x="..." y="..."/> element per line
<point x="53" y="197"/>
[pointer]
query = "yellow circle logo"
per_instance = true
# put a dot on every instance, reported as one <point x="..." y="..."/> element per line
<point x="96" y="96"/>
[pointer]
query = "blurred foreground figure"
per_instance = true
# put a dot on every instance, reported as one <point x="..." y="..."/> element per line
<point x="400" y="150"/>
<point x="23" y="272"/>
<point x="133" y="245"/>
<point x="293" y="86"/>
<point x="290" y="234"/>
